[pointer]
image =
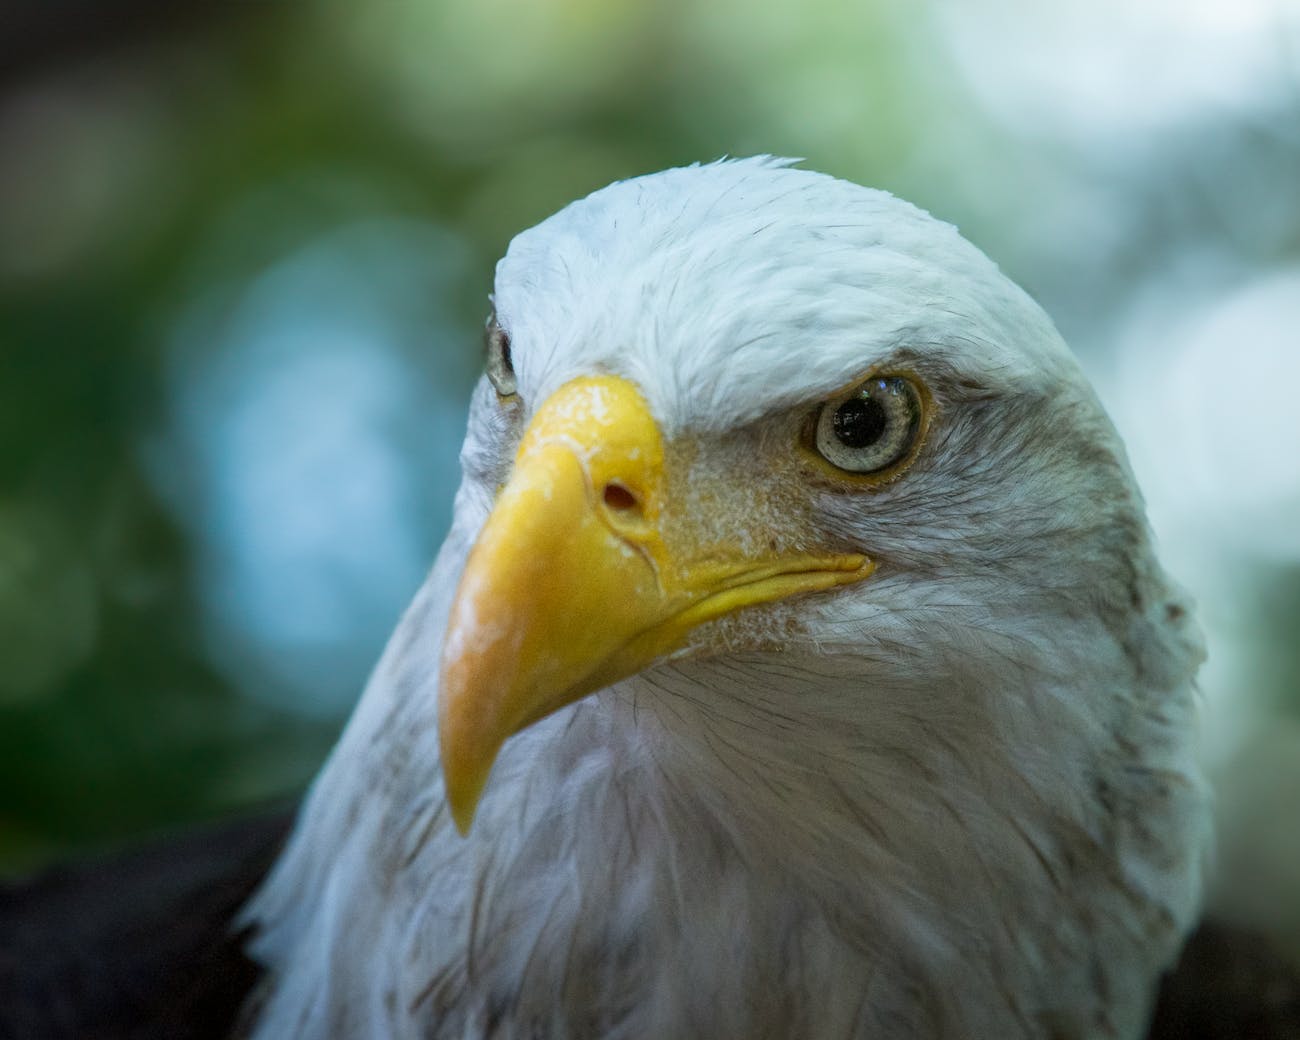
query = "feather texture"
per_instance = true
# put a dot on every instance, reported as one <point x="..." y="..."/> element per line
<point x="960" y="799"/>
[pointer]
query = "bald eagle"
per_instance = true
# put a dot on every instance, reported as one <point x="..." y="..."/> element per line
<point x="798" y="663"/>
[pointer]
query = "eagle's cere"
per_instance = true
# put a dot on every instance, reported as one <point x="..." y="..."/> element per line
<point x="798" y="664"/>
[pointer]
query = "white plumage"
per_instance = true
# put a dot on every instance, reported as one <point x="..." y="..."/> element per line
<point x="957" y="798"/>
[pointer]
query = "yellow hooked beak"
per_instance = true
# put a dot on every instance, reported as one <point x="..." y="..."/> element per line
<point x="571" y="585"/>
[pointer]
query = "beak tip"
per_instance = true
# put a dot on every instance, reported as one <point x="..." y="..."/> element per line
<point x="464" y="776"/>
<point x="464" y="820"/>
<point x="462" y="801"/>
<point x="465" y="750"/>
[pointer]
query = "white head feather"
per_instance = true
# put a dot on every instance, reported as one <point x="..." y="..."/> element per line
<point x="958" y="799"/>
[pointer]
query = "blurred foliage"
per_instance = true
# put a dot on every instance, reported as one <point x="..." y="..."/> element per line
<point x="227" y="242"/>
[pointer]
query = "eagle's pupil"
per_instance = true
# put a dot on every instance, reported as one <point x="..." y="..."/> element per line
<point x="860" y="421"/>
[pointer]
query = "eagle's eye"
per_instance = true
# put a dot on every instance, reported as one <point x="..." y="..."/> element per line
<point x="500" y="367"/>
<point x="871" y="428"/>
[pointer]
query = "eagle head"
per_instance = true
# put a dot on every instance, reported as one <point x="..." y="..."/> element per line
<point x="798" y="663"/>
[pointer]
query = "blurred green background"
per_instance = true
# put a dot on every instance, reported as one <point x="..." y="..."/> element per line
<point x="245" y="252"/>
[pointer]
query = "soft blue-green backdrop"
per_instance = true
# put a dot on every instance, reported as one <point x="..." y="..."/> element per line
<point x="245" y="257"/>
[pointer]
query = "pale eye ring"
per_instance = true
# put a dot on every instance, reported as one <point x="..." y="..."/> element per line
<point x="872" y="427"/>
<point x="500" y="364"/>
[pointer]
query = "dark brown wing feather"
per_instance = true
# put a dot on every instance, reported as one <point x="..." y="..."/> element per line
<point x="138" y="945"/>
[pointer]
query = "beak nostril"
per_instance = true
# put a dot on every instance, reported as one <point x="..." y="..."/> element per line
<point x="620" y="499"/>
